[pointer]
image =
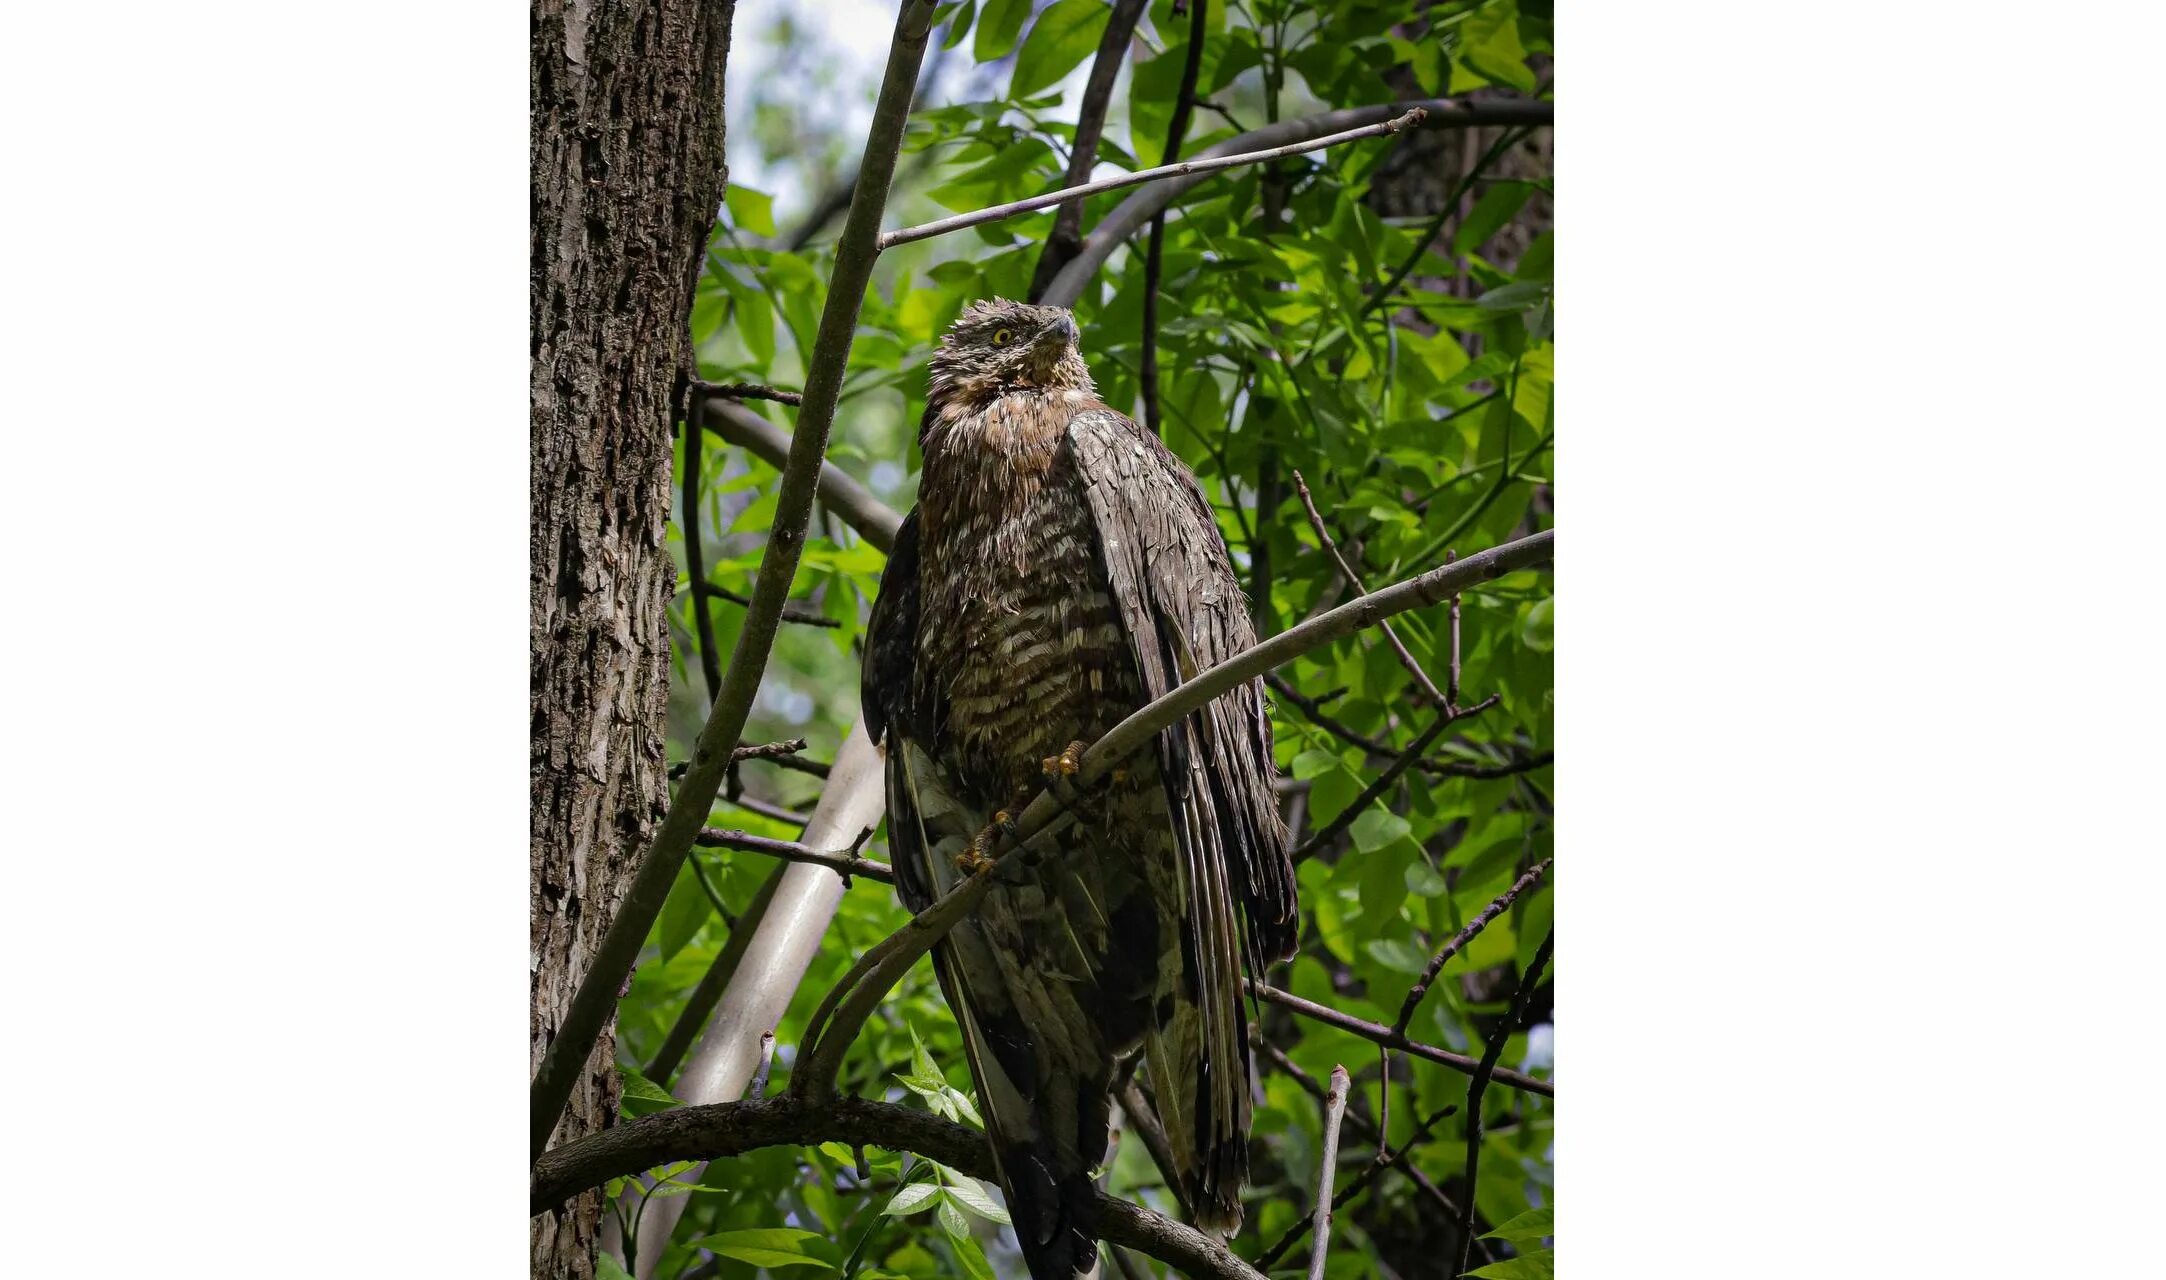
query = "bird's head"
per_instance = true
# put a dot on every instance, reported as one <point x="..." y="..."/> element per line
<point x="997" y="346"/>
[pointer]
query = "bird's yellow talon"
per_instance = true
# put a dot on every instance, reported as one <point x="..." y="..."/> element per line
<point x="1067" y="764"/>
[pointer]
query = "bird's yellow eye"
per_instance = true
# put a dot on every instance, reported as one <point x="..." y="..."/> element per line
<point x="1001" y="336"/>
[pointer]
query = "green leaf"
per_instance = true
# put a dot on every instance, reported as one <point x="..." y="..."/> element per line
<point x="952" y="1220"/>
<point x="1538" y="1265"/>
<point x="1534" y="1224"/>
<point x="915" y="1198"/>
<point x="643" y="1097"/>
<point x="684" y="913"/>
<point x="750" y="210"/>
<point x="1398" y="956"/>
<point x="1496" y="207"/>
<point x="1314" y="761"/>
<point x="971" y="1194"/>
<point x="1490" y="45"/>
<point x="771" y="1258"/>
<point x="998" y="26"/>
<point x="1063" y="36"/>
<point x="960" y="25"/>
<point x="608" y="1268"/>
<point x="1377" y="828"/>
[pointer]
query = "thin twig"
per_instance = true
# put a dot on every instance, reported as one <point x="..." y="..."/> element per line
<point x="1459" y="940"/>
<point x="1315" y="844"/>
<point x="753" y="804"/>
<point x="1386" y="1158"/>
<point x="1406" y="659"/>
<point x="1184" y="102"/>
<point x="1383" y="1035"/>
<point x="1186" y="168"/>
<point x="1334" y="1112"/>
<point x="1528" y="981"/>
<point x="1143" y="1122"/>
<point x="844" y="862"/>
<point x="758" y="1087"/>
<point x="792" y="611"/>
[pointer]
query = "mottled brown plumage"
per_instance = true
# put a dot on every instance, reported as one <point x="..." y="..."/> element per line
<point x="1062" y="569"/>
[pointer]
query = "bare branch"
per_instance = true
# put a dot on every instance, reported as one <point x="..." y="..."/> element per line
<point x="732" y="1128"/>
<point x="1184" y="103"/>
<point x="747" y="391"/>
<point x="1383" y="1035"/>
<point x="1528" y="981"/>
<point x="1184" y="169"/>
<point x="650" y="885"/>
<point x="1144" y="1123"/>
<point x="1315" y="844"/>
<point x="1461" y="939"/>
<point x="1138" y="209"/>
<point x="1316" y="522"/>
<point x="842" y="860"/>
<point x="1386" y="1158"/>
<point x="1067" y="234"/>
<point x="1334" y="1112"/>
<point x="792" y="611"/>
<point x="874" y="520"/>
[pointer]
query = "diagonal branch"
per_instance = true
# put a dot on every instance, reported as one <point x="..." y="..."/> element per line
<point x="1359" y="804"/>
<point x="1390" y="1039"/>
<point x="1185" y="169"/>
<point x="844" y="494"/>
<point x="732" y="1128"/>
<point x="855" y="252"/>
<point x="835" y="1023"/>
<point x="1528" y="981"/>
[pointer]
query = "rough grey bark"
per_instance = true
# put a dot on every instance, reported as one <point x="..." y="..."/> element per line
<point x="626" y="149"/>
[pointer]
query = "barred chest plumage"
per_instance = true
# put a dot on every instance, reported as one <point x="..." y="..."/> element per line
<point x="1018" y="629"/>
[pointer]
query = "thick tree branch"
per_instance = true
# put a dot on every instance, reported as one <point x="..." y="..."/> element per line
<point x="1186" y="169"/>
<point x="1140" y="208"/>
<point x="658" y="869"/>
<point x="874" y="520"/>
<point x="732" y="1128"/>
<point x="695" y="557"/>
<point x="1378" y="1033"/>
<point x="835" y="1023"/>
<point x="1090" y="124"/>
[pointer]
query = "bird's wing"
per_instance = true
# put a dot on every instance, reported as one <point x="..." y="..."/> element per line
<point x="1183" y="611"/>
<point x="1030" y="1039"/>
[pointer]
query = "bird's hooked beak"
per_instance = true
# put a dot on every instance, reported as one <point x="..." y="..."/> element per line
<point x="1059" y="333"/>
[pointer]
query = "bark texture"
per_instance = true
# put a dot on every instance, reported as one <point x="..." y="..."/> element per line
<point x="626" y="148"/>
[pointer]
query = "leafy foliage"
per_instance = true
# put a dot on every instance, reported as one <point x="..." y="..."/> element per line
<point x="1422" y="421"/>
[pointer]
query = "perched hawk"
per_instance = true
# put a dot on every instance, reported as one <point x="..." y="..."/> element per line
<point x="1063" y="568"/>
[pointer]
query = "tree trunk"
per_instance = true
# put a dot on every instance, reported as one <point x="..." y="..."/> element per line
<point x="626" y="146"/>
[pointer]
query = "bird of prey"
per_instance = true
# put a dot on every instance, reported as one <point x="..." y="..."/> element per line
<point x="1061" y="569"/>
